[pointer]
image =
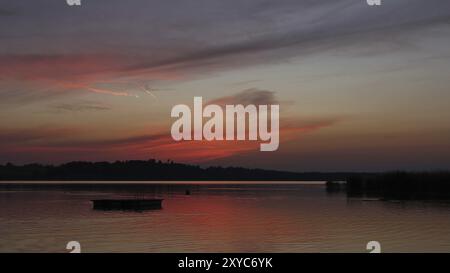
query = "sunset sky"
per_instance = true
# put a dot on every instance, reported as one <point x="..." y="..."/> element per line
<point x="360" y="88"/>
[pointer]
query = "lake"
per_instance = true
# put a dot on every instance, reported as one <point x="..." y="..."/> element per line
<point x="216" y="217"/>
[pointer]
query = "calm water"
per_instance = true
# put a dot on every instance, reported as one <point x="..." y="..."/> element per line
<point x="219" y="217"/>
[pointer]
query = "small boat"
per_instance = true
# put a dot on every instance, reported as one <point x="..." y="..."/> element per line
<point x="127" y="204"/>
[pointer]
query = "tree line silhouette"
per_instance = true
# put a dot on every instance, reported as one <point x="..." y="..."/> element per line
<point x="389" y="185"/>
<point x="152" y="170"/>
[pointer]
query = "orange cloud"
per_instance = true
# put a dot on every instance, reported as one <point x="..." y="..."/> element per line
<point x="99" y="73"/>
<point x="61" y="144"/>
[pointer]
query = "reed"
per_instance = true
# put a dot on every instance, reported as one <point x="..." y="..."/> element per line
<point x="401" y="185"/>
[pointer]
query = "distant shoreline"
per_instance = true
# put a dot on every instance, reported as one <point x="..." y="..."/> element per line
<point x="144" y="186"/>
<point x="153" y="170"/>
<point x="4" y="183"/>
<point x="138" y="174"/>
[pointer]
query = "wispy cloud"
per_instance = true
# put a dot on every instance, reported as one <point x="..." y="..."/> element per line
<point x="81" y="106"/>
<point x="160" y="146"/>
<point x="12" y="136"/>
<point x="54" y="142"/>
<point x="248" y="96"/>
<point x="160" y="42"/>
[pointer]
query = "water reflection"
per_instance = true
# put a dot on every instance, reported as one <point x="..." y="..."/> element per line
<point x="220" y="217"/>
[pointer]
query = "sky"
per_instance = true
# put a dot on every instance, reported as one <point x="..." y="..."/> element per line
<point x="360" y="88"/>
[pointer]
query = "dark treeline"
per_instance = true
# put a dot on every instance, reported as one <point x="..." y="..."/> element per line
<point x="152" y="170"/>
<point x="401" y="185"/>
<point x="391" y="185"/>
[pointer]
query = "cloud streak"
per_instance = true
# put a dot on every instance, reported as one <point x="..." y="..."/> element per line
<point x="248" y="96"/>
<point x="51" y="143"/>
<point x="85" y="106"/>
<point x="268" y="32"/>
